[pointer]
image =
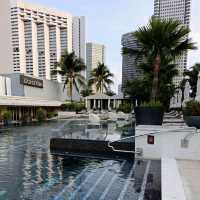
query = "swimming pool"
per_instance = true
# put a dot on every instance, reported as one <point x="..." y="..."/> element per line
<point x="28" y="170"/>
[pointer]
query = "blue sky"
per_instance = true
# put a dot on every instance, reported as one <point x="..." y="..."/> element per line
<point x="107" y="20"/>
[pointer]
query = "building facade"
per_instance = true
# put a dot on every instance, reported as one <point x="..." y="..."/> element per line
<point x="178" y="10"/>
<point x="95" y="53"/>
<point x="23" y="85"/>
<point x="34" y="38"/>
<point x="78" y="40"/>
<point x="22" y="95"/>
<point x="119" y="91"/>
<point x="130" y="69"/>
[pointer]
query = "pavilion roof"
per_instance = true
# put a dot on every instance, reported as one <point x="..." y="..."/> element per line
<point x="104" y="96"/>
<point x="98" y="96"/>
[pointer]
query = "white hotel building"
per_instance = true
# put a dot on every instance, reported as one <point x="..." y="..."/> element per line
<point x="179" y="10"/>
<point x="95" y="53"/>
<point x="33" y="38"/>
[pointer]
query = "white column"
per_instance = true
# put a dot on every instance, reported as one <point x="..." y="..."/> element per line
<point x="118" y="103"/>
<point x="58" y="43"/>
<point x="99" y="103"/>
<point x="69" y="34"/>
<point x="94" y="106"/>
<point x="47" y="55"/>
<point x="109" y="104"/>
<point x="22" y="49"/>
<point x="114" y="103"/>
<point x="35" y="49"/>
<point x="58" y="49"/>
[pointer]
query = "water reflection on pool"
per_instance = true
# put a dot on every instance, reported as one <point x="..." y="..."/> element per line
<point x="29" y="171"/>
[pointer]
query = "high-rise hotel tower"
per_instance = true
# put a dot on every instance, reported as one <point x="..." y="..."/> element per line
<point x="130" y="70"/>
<point x="179" y="10"/>
<point x="95" y="54"/>
<point x="78" y="42"/>
<point x="33" y="38"/>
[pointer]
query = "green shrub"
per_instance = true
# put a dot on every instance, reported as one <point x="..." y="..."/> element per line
<point x="125" y="108"/>
<point x="152" y="104"/>
<point x="192" y="108"/>
<point x="79" y="107"/>
<point x="41" y="114"/>
<point x="7" y="115"/>
<point x="74" y="106"/>
<point x="51" y="114"/>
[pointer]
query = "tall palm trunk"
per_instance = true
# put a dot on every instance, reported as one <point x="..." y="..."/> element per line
<point x="70" y="89"/>
<point x="156" y="71"/>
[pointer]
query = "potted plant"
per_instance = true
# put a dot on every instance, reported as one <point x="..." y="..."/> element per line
<point x="149" y="113"/>
<point x="191" y="113"/>
<point x="7" y="116"/>
<point x="41" y="114"/>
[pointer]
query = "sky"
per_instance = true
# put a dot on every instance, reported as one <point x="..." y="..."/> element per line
<point x="107" y="20"/>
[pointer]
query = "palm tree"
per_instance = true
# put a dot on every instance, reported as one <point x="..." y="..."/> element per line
<point x="141" y="88"/>
<point x="70" y="67"/>
<point x="138" y="89"/>
<point x="101" y="78"/>
<point x="160" y="39"/>
<point x="110" y="93"/>
<point x="193" y="78"/>
<point x="86" y="91"/>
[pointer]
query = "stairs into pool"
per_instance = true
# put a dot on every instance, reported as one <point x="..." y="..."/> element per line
<point x="114" y="180"/>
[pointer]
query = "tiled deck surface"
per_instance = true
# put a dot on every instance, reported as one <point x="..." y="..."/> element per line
<point x="190" y="174"/>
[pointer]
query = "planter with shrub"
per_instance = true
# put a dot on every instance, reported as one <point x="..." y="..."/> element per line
<point x="125" y="108"/>
<point x="52" y="114"/>
<point x="41" y="114"/>
<point x="191" y="114"/>
<point x="73" y="107"/>
<point x="7" y="117"/>
<point x="149" y="114"/>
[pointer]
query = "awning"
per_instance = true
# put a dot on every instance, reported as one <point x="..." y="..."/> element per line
<point x="28" y="101"/>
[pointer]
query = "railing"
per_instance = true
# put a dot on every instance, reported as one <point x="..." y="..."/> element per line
<point x="125" y="151"/>
<point x="146" y="134"/>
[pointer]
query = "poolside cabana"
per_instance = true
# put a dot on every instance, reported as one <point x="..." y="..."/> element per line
<point x="26" y="107"/>
<point x="101" y="101"/>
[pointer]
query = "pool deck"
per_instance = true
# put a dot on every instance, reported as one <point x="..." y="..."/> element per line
<point x="190" y="175"/>
<point x="172" y="187"/>
<point x="178" y="147"/>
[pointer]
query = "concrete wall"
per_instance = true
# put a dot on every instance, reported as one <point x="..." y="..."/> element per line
<point x="171" y="142"/>
<point x="91" y="148"/>
<point x="16" y="88"/>
<point x="5" y="86"/>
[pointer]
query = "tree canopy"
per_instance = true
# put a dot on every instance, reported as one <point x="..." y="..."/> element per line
<point x="101" y="78"/>
<point x="70" y="67"/>
<point x="161" y="42"/>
